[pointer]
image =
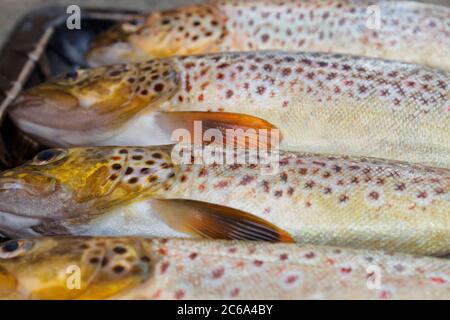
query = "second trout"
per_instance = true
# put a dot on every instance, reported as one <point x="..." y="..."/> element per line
<point x="309" y="198"/>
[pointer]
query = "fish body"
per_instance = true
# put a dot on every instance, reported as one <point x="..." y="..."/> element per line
<point x="398" y="30"/>
<point x="310" y="199"/>
<point x="140" y="268"/>
<point x="321" y="103"/>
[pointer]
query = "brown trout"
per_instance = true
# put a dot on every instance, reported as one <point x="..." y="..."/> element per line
<point x="399" y="30"/>
<point x="311" y="199"/>
<point x="145" y="268"/>
<point x="321" y="103"/>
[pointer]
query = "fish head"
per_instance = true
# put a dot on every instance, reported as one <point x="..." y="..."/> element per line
<point x="78" y="184"/>
<point x="86" y="106"/>
<point x="71" y="267"/>
<point x="187" y="30"/>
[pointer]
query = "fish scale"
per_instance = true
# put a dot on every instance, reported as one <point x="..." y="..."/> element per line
<point x="402" y="30"/>
<point x="340" y="201"/>
<point x="322" y="103"/>
<point x="146" y="268"/>
<point x="308" y="198"/>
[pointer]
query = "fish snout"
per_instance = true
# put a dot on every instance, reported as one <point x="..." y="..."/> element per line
<point x="43" y="107"/>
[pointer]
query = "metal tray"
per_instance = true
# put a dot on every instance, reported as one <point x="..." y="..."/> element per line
<point x="39" y="48"/>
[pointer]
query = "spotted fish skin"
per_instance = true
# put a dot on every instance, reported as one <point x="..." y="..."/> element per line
<point x="317" y="199"/>
<point x="407" y="31"/>
<point x="145" y="268"/>
<point x="322" y="103"/>
<point x="333" y="200"/>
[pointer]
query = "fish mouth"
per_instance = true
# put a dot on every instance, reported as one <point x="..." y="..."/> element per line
<point x="45" y="107"/>
<point x="25" y="206"/>
<point x="23" y="186"/>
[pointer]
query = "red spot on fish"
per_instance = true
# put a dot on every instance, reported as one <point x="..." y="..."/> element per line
<point x="343" y="198"/>
<point x="164" y="267"/>
<point x="201" y="97"/>
<point x="203" y="172"/>
<point x="291" y="279"/>
<point x="422" y="195"/>
<point x="235" y="292"/>
<point x="290" y="191"/>
<point x="258" y="263"/>
<point x="218" y="273"/>
<point x="163" y="251"/>
<point x="266" y="186"/>
<point x="193" y="255"/>
<point x="310" y="255"/>
<point x="283" y="256"/>
<point x="221" y="184"/>
<point x="374" y="195"/>
<point x="384" y="295"/>
<point x="229" y="94"/>
<point x="246" y="180"/>
<point x="346" y="270"/>
<point x="179" y="294"/>
<point x="438" y="280"/>
<point x="115" y="158"/>
<point x="260" y="90"/>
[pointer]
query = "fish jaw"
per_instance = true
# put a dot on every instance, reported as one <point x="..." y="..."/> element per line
<point x="97" y="102"/>
<point x="70" y="268"/>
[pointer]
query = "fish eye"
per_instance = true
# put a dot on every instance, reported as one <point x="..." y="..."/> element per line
<point x="71" y="75"/>
<point x="14" y="248"/>
<point x="48" y="156"/>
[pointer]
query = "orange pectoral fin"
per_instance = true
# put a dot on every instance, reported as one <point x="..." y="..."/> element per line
<point x="207" y="220"/>
<point x="228" y="129"/>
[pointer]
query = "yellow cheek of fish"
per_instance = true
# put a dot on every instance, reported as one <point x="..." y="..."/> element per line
<point x="8" y="283"/>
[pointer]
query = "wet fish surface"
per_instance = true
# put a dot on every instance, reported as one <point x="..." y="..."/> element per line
<point x="321" y="103"/>
<point x="139" y="268"/>
<point x="310" y="199"/>
<point x="398" y="30"/>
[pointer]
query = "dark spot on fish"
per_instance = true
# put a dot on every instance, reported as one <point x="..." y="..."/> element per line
<point x="157" y="155"/>
<point x="150" y="162"/>
<point x="158" y="87"/>
<point x="145" y="170"/>
<point x="145" y="259"/>
<point x="115" y="73"/>
<point x="152" y="178"/>
<point x="116" y="166"/>
<point x="165" y="21"/>
<point x="105" y="262"/>
<point x="118" y="269"/>
<point x="133" y="180"/>
<point x="123" y="151"/>
<point x="137" y="157"/>
<point x="129" y="171"/>
<point x="94" y="260"/>
<point x="120" y="250"/>
<point x="113" y="177"/>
